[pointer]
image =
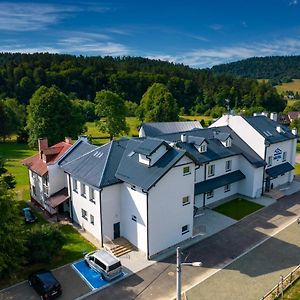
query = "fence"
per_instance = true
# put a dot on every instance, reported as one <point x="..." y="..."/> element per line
<point x="283" y="284"/>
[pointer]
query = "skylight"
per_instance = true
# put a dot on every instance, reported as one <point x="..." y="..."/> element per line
<point x="98" y="154"/>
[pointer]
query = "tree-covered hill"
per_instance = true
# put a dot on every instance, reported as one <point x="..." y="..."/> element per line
<point x="276" y="68"/>
<point x="81" y="77"/>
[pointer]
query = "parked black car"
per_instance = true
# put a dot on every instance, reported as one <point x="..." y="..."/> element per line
<point x="29" y="217"/>
<point x="45" y="284"/>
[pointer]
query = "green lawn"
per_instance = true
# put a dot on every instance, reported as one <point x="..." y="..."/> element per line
<point x="293" y="292"/>
<point x="237" y="208"/>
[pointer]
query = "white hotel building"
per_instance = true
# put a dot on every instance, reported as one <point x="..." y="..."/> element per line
<point x="148" y="189"/>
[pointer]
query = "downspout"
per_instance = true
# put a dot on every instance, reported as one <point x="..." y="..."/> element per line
<point x="204" y="180"/>
<point x="265" y="159"/>
<point x="147" y="202"/>
<point x="71" y="200"/>
<point x="101" y="227"/>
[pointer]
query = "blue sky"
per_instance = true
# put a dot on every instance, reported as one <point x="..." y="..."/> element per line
<point x="199" y="33"/>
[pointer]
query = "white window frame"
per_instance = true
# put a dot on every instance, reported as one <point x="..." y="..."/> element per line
<point x="228" y="165"/>
<point x="83" y="189"/>
<point x="228" y="142"/>
<point x="186" y="170"/>
<point x="210" y="194"/>
<point x="186" y="200"/>
<point x="185" y="230"/>
<point x="75" y="185"/>
<point x="270" y="161"/>
<point x="227" y="188"/>
<point x="210" y="170"/>
<point x="203" y="148"/>
<point x="92" y="194"/>
<point x="84" y="214"/>
<point x="284" y="155"/>
<point x="92" y="219"/>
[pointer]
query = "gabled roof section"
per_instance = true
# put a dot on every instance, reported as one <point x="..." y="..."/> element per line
<point x="149" y="145"/>
<point x="215" y="149"/>
<point x="135" y="173"/>
<point x="36" y="164"/>
<point x="95" y="165"/>
<point x="267" y="128"/>
<point x="221" y="136"/>
<point x="157" y="128"/>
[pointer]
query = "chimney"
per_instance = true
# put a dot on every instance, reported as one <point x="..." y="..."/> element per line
<point x="278" y="129"/>
<point x="273" y="116"/>
<point x="294" y="131"/>
<point x="255" y="114"/>
<point x="183" y="138"/>
<point x="43" y="144"/>
<point x="68" y="140"/>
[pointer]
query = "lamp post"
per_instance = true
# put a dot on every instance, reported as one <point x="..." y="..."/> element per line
<point x="178" y="271"/>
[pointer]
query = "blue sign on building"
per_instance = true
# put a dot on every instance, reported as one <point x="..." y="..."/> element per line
<point x="277" y="154"/>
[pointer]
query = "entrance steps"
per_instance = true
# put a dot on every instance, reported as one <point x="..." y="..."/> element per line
<point x="275" y="194"/>
<point x="119" y="246"/>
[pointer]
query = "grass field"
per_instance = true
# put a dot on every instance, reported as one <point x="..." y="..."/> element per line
<point x="238" y="208"/>
<point x="289" y="86"/>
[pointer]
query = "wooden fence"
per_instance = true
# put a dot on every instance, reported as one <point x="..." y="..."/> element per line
<point x="278" y="290"/>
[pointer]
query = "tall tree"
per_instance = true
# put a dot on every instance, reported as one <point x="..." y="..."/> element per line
<point x="11" y="233"/>
<point x="111" y="109"/>
<point x="158" y="105"/>
<point x="51" y="114"/>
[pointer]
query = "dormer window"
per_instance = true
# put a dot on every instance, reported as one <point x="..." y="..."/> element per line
<point x="203" y="148"/>
<point x="228" y="142"/>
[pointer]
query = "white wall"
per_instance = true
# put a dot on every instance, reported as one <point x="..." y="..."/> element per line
<point x="57" y="179"/>
<point x="245" y="131"/>
<point x="167" y="215"/>
<point x="155" y="156"/>
<point x="110" y="201"/>
<point x="134" y="203"/>
<point x="78" y="203"/>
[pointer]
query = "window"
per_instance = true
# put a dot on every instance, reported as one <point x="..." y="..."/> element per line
<point x="210" y="194"/>
<point x="186" y="200"/>
<point x="226" y="188"/>
<point x="75" y="187"/>
<point x="84" y="213"/>
<point x="269" y="161"/>
<point x="203" y="148"/>
<point x="186" y="170"/>
<point x="185" y="229"/>
<point x="211" y="170"/>
<point x="228" y="165"/>
<point x="100" y="264"/>
<point x="33" y="190"/>
<point x="92" y="194"/>
<point x="228" y="142"/>
<point x="92" y="219"/>
<point x="83" y="190"/>
<point x="133" y="187"/>
<point x="284" y="156"/>
<point x="133" y="218"/>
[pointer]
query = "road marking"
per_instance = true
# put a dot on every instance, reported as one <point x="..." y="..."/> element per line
<point x="226" y="264"/>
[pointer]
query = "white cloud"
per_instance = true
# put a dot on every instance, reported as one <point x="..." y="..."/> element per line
<point x="293" y="2"/>
<point x="216" y="27"/>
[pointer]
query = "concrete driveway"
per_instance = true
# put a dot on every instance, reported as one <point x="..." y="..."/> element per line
<point x="73" y="286"/>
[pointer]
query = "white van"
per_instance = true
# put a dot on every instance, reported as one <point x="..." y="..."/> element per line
<point x="105" y="263"/>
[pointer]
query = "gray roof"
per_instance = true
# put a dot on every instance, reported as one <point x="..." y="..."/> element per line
<point x="94" y="165"/>
<point x="215" y="149"/>
<point x="214" y="183"/>
<point x="157" y="128"/>
<point x="267" y="128"/>
<point x="149" y="145"/>
<point x="135" y="173"/>
<point x="279" y="169"/>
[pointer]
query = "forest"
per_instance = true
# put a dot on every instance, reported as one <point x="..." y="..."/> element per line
<point x="277" y="69"/>
<point x="196" y="91"/>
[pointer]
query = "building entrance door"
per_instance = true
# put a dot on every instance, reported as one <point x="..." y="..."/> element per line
<point x="116" y="230"/>
<point x="268" y="181"/>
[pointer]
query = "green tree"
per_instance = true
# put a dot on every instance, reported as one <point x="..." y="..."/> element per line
<point x="158" y="105"/>
<point x="11" y="233"/>
<point x="111" y="110"/>
<point x="131" y="108"/>
<point x="51" y="114"/>
<point x="43" y="243"/>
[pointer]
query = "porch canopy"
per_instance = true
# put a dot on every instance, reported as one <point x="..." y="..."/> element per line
<point x="212" y="184"/>
<point x="58" y="198"/>
<point x="279" y="169"/>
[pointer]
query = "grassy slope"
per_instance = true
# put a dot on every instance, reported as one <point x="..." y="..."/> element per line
<point x="289" y="86"/>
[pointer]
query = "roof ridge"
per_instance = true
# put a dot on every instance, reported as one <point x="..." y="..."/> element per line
<point x="108" y="154"/>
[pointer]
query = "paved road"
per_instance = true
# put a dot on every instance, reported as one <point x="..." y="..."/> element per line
<point x="158" y="280"/>
<point x="73" y="286"/>
<point x="254" y="274"/>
